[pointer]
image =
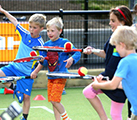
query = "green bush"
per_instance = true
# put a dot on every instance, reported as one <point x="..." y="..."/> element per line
<point x="102" y="4"/>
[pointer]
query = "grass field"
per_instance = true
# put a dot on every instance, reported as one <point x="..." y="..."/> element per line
<point x="74" y="102"/>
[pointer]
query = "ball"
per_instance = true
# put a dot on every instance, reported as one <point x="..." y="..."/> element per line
<point x="82" y="71"/>
<point x="68" y="46"/>
<point x="33" y="53"/>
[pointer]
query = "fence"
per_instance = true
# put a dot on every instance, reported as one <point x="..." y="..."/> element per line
<point x="81" y="27"/>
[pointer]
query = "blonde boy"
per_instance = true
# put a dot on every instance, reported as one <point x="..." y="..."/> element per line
<point x="58" y="62"/>
<point x="28" y="40"/>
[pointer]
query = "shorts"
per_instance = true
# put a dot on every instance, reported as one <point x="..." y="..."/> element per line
<point x="55" y="89"/>
<point x="23" y="85"/>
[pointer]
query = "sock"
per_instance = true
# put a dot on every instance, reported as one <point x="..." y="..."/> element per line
<point x="12" y="86"/>
<point x="25" y="116"/>
<point x="65" y="116"/>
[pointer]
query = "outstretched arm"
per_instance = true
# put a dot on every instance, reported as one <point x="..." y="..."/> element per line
<point x="9" y="16"/>
<point x="89" y="49"/>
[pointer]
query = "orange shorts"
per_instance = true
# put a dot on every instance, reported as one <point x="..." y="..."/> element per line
<point x="55" y="89"/>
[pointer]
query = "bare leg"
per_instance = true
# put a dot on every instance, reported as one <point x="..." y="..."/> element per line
<point x="3" y="74"/>
<point x="56" y="114"/>
<point x="58" y="109"/>
<point x="94" y="100"/>
<point x="26" y="104"/>
<point x="97" y="105"/>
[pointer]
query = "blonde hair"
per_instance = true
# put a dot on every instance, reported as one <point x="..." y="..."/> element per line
<point x="38" y="19"/>
<point x="57" y="21"/>
<point x="126" y="35"/>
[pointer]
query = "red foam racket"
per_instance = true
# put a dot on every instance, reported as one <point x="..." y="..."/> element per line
<point x="60" y="49"/>
<point x="29" y="59"/>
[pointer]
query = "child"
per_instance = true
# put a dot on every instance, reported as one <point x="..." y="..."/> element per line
<point x="58" y="62"/>
<point x="125" y="40"/>
<point x="28" y="40"/>
<point x="118" y="16"/>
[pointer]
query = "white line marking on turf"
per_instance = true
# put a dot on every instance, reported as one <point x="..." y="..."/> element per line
<point x="42" y="107"/>
<point x="3" y="108"/>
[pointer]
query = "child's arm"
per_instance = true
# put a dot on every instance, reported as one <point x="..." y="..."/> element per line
<point x="110" y="85"/>
<point x="69" y="62"/>
<point x="37" y="69"/>
<point x="35" y="72"/>
<point x="9" y="16"/>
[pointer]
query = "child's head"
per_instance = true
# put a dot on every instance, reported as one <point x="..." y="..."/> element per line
<point x="36" y="24"/>
<point x="57" y="21"/>
<point x="120" y="16"/>
<point x="125" y="35"/>
<point x="54" y="28"/>
<point x="38" y="19"/>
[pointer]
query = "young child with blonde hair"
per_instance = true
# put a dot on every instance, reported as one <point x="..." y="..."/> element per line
<point x="28" y="40"/>
<point x="57" y="62"/>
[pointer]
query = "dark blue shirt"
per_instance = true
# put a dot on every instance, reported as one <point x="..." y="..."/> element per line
<point x="111" y="62"/>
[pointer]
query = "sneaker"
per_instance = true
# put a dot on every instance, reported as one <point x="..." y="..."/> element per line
<point x="64" y="92"/>
<point x="20" y="96"/>
<point x="22" y="118"/>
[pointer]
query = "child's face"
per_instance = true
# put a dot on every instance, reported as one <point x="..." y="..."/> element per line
<point x="53" y="33"/>
<point x="114" y="22"/>
<point x="34" y="30"/>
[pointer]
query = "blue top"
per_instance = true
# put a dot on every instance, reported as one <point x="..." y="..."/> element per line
<point x="127" y="70"/>
<point x="26" y="44"/>
<point x="56" y="59"/>
<point x="111" y="62"/>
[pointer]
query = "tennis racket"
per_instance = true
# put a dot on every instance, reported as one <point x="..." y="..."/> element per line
<point x="60" y="49"/>
<point x="12" y="78"/>
<point x="29" y="59"/>
<point x="72" y="76"/>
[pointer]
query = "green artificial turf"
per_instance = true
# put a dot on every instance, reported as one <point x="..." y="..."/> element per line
<point x="76" y="105"/>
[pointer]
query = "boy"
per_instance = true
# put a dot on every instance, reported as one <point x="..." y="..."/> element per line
<point x="28" y="40"/>
<point x="58" y="62"/>
<point x="125" y="40"/>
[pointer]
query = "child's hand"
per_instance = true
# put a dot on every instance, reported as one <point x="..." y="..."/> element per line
<point x="33" y="75"/>
<point x="95" y="83"/>
<point x="42" y="59"/>
<point x="69" y="62"/>
<point x="99" y="78"/>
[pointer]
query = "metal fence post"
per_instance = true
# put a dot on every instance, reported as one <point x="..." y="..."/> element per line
<point x="61" y="15"/>
<point x="86" y="30"/>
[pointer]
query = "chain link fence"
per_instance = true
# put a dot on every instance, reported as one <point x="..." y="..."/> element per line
<point x="81" y="29"/>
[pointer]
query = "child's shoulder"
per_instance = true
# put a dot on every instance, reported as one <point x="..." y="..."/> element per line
<point x="65" y="40"/>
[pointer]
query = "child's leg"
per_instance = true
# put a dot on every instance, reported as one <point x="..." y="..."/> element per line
<point x="59" y="110"/>
<point x="55" y="89"/>
<point x="26" y="106"/>
<point x="3" y="74"/>
<point x="94" y="100"/>
<point x="56" y="113"/>
<point x="116" y="110"/>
